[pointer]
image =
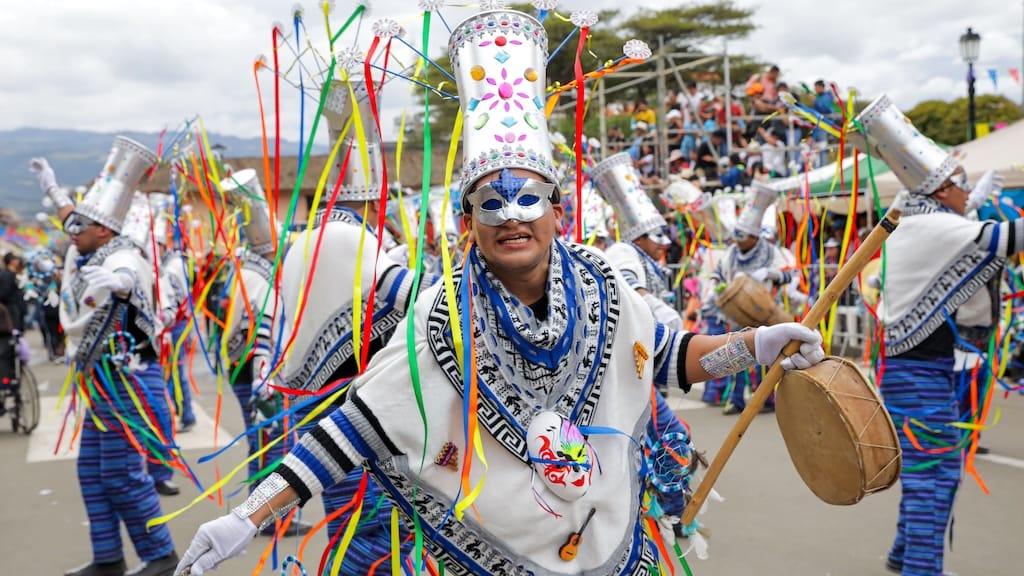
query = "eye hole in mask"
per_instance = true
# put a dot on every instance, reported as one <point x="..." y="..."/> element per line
<point x="492" y="204"/>
<point x="528" y="200"/>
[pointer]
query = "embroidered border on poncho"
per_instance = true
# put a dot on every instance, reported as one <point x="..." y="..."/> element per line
<point x="971" y="271"/>
<point x="264" y="269"/>
<point x="501" y="410"/>
<point x="333" y="344"/>
<point x="103" y="320"/>
<point x="466" y="551"/>
<point x="948" y="292"/>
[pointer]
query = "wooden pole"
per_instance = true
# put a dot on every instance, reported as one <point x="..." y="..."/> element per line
<point x="835" y="288"/>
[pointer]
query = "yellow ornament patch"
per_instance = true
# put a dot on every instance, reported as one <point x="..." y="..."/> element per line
<point x="640" y="356"/>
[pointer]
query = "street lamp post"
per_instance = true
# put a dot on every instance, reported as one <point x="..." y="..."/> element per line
<point x="970" y="45"/>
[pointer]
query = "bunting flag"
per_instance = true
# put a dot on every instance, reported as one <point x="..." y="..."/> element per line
<point x="994" y="75"/>
<point x="1015" y="74"/>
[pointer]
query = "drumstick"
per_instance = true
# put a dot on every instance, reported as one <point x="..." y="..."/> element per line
<point x="835" y="288"/>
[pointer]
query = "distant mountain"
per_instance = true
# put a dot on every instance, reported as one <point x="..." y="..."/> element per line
<point x="77" y="157"/>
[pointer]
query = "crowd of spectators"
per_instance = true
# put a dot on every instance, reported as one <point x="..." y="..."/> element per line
<point x="724" y="143"/>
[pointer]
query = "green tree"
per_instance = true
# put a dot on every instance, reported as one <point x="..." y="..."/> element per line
<point x="947" y="122"/>
<point x="681" y="27"/>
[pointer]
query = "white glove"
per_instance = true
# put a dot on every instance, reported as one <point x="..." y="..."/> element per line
<point x="52" y="299"/>
<point x="53" y="195"/>
<point x="216" y="541"/>
<point x="988" y="185"/>
<point x="663" y="313"/>
<point x="765" y="274"/>
<point x="100" y="277"/>
<point x="41" y="168"/>
<point x="770" y="340"/>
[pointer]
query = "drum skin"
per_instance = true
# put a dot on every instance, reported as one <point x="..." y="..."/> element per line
<point x="839" y="435"/>
<point x="748" y="303"/>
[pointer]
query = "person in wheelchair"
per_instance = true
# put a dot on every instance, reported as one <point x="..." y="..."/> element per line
<point x="19" y="397"/>
<point x="108" y="315"/>
<point x="7" y="348"/>
<point x="11" y="294"/>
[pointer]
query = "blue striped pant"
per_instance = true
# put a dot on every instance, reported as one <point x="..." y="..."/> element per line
<point x="925" y="391"/>
<point x="115" y="486"/>
<point x="161" y="472"/>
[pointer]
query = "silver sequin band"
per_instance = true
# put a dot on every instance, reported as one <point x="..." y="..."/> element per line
<point x="728" y="359"/>
<point x="60" y="197"/>
<point x="261" y="496"/>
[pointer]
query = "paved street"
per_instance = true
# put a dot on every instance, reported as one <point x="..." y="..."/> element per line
<point x="769" y="525"/>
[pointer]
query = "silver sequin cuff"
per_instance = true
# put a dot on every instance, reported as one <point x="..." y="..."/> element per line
<point x="728" y="359"/>
<point x="261" y="496"/>
<point x="60" y="197"/>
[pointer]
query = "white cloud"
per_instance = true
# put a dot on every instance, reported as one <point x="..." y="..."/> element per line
<point x="909" y="50"/>
<point x="123" y="64"/>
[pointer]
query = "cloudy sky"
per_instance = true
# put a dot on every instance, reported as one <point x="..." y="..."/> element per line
<point x="146" y="65"/>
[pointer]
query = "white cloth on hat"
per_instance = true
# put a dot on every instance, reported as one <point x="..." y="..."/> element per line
<point x="364" y="172"/>
<point x="244" y="190"/>
<point x="136" y="225"/>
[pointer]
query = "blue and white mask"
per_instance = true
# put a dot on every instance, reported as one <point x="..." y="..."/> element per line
<point x="510" y="198"/>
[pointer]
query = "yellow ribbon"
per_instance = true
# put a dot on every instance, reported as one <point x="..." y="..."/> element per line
<point x="314" y="414"/>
